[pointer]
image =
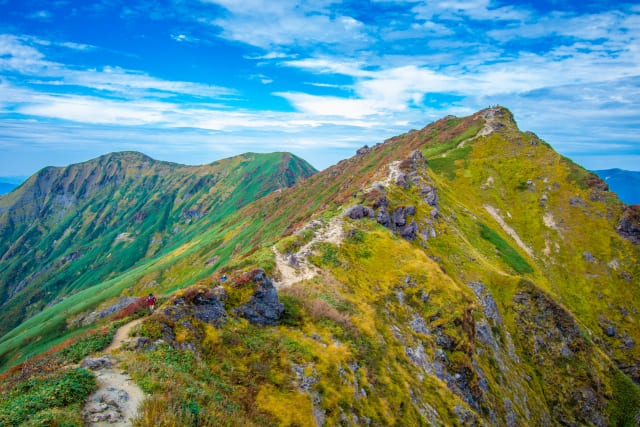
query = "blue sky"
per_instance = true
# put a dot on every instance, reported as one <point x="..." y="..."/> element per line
<point x="193" y="81"/>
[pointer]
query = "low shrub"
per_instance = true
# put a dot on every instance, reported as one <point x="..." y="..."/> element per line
<point x="85" y="345"/>
<point x="138" y="308"/>
<point x="293" y="312"/>
<point x="37" y="394"/>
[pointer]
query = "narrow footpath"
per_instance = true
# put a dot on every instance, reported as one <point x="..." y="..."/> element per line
<point x="117" y="399"/>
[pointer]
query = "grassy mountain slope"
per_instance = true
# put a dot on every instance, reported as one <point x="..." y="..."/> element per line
<point x="484" y="284"/>
<point x="66" y="229"/>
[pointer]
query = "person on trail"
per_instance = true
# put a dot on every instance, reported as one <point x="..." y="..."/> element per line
<point x="151" y="302"/>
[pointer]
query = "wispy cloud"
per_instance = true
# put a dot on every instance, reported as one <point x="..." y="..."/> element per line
<point x="334" y="71"/>
<point x="269" y="24"/>
<point x="18" y="56"/>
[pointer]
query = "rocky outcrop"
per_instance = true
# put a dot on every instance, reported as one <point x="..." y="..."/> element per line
<point x="206" y="305"/>
<point x="629" y="225"/>
<point x="551" y="338"/>
<point x="359" y="212"/>
<point x="90" y="318"/>
<point x="408" y="173"/>
<point x="264" y="308"/>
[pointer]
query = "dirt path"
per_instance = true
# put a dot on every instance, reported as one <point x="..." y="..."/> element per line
<point x="117" y="399"/>
<point x="122" y="334"/>
<point x="297" y="268"/>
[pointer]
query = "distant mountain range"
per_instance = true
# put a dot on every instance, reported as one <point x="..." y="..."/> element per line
<point x="8" y="183"/>
<point x="625" y="183"/>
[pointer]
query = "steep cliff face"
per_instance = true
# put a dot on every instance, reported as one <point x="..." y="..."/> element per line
<point x="66" y="229"/>
<point x="461" y="274"/>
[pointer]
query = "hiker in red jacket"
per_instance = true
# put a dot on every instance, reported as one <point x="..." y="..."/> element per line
<point x="151" y="302"/>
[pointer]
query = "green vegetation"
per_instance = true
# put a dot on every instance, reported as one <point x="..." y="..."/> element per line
<point x="506" y="251"/>
<point x="37" y="399"/>
<point x="89" y="344"/>
<point x="123" y="209"/>
<point x="442" y="329"/>
<point x="625" y="408"/>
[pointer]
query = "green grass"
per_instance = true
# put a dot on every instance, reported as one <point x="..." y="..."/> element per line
<point x="444" y="147"/>
<point x="624" y="410"/>
<point x="446" y="166"/>
<point x="79" y="247"/>
<point x="506" y="251"/>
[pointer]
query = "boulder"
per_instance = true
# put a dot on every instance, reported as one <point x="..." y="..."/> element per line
<point x="428" y="193"/>
<point x="206" y="307"/>
<point x="399" y="217"/>
<point x="264" y="308"/>
<point x="382" y="202"/>
<point x="359" y="212"/>
<point x="401" y="180"/>
<point x="97" y="363"/>
<point x="362" y="151"/>
<point x="410" y="231"/>
<point x="383" y="218"/>
<point x="588" y="256"/>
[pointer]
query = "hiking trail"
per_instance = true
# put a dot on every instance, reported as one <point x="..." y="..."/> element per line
<point x="117" y="399"/>
<point x="296" y="267"/>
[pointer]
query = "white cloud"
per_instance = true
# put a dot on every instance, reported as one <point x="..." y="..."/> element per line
<point x="181" y="38"/>
<point x="18" y="56"/>
<point x="331" y="105"/>
<point x="472" y="9"/>
<point x="267" y="24"/>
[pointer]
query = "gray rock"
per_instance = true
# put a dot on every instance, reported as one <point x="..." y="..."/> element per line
<point x="465" y="416"/>
<point x="293" y="261"/>
<point x="205" y="307"/>
<point x="577" y="202"/>
<point x="264" y="308"/>
<point x="429" y="195"/>
<point x="627" y="342"/>
<point x="511" y="418"/>
<point x="486" y="300"/>
<point x="382" y="202"/>
<point x="399" y="218"/>
<point x="610" y="331"/>
<point x="419" y="325"/>
<point x="443" y="340"/>
<point x="410" y="231"/>
<point x="629" y="224"/>
<point x="221" y="293"/>
<point x="383" y="218"/>
<point x="121" y="303"/>
<point x="97" y="363"/>
<point x="416" y="156"/>
<point x="362" y="151"/>
<point x="588" y="256"/>
<point x="359" y="212"/>
<point x="418" y="356"/>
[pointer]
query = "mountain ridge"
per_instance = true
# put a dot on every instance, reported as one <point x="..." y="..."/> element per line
<point x="463" y="273"/>
<point x="64" y="213"/>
